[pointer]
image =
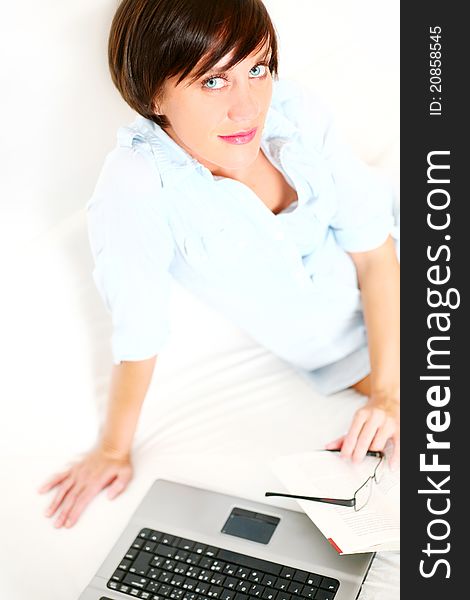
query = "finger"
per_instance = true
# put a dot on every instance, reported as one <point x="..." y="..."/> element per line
<point x="351" y="437"/>
<point x="118" y="485"/>
<point x="382" y="436"/>
<point x="335" y="444"/>
<point x="66" y="485"/>
<point x="364" y="440"/>
<point x="82" y="501"/>
<point x="68" y="504"/>
<point x="53" y="481"/>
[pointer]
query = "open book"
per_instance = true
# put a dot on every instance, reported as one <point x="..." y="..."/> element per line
<point x="376" y="527"/>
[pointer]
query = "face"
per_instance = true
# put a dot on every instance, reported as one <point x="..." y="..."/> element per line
<point x="221" y="104"/>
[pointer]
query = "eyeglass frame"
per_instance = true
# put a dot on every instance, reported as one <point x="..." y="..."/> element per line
<point x="349" y="502"/>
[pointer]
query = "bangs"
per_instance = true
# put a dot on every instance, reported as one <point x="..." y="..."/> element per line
<point x="239" y="26"/>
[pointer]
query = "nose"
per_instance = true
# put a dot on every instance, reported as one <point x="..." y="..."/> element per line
<point x="244" y="106"/>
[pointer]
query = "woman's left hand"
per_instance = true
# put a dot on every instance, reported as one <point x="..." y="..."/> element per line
<point x="372" y="426"/>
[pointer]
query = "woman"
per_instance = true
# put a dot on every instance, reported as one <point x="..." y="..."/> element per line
<point x="233" y="182"/>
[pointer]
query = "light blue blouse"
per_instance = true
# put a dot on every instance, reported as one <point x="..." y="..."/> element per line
<point x="286" y="279"/>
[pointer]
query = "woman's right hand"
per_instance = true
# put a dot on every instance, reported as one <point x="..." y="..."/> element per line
<point x="81" y="482"/>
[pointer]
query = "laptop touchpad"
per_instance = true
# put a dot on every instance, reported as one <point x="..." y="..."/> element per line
<point x="250" y="525"/>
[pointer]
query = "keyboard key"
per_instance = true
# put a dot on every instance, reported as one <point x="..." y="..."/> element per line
<point x="243" y="586"/>
<point x="185" y="544"/>
<point x="153" y="573"/>
<point x="231" y="583"/>
<point x="181" y="568"/>
<point x="149" y="546"/>
<point x="142" y="563"/>
<point x="327" y="583"/>
<point x="256" y="590"/>
<point x="313" y="580"/>
<point x="211" y="551"/>
<point x="136" y="581"/>
<point x="206" y="562"/>
<point x="145" y="533"/>
<point x="295" y="588"/>
<point x="169" y="564"/>
<point x="242" y="572"/>
<point x="205" y="575"/>
<point x="227" y="595"/>
<point x="300" y="576"/>
<point x="255" y="576"/>
<point x="158" y="561"/>
<point x="269" y="594"/>
<point x="118" y="575"/>
<point x="124" y="565"/>
<point x="229" y="569"/>
<point x="283" y="596"/>
<point x="218" y="579"/>
<point x="324" y="595"/>
<point x="214" y="591"/>
<point x="153" y="586"/>
<point x="156" y="536"/>
<point x="287" y="573"/>
<point x="240" y="596"/>
<point x="268" y="580"/>
<point x="193" y="572"/>
<point x="177" y="594"/>
<point x="131" y="553"/>
<point x="163" y="549"/>
<point x="165" y="577"/>
<point x="177" y="580"/>
<point x="167" y="539"/>
<point x="248" y="561"/>
<point x="193" y="558"/>
<point x="181" y="555"/>
<point x="164" y="590"/>
<point x="282" y="584"/>
<point x="202" y="587"/>
<point x="199" y="548"/>
<point x="308" y="591"/>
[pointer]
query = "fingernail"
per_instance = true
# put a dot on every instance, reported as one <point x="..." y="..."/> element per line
<point x="68" y="523"/>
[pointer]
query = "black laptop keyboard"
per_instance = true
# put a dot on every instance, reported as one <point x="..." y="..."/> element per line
<point x="159" y="566"/>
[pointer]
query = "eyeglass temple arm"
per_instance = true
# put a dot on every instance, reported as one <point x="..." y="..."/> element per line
<point x="337" y="501"/>
<point x="376" y="453"/>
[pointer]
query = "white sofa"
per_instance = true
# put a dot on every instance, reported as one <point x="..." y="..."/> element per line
<point x="219" y="407"/>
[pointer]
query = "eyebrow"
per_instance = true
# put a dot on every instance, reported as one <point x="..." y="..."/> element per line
<point x="222" y="70"/>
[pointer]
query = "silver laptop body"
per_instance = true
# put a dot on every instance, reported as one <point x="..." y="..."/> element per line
<point x="200" y="515"/>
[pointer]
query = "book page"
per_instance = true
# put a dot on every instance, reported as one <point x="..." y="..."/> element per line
<point x="326" y="474"/>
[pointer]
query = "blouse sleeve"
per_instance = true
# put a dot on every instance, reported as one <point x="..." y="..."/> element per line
<point x="364" y="213"/>
<point x="132" y="247"/>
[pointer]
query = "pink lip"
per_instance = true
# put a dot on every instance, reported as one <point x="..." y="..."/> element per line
<point x="241" y="137"/>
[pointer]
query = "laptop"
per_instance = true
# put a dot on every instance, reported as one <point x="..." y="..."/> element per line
<point x="189" y="543"/>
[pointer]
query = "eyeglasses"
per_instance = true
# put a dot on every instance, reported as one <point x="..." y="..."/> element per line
<point x="362" y="494"/>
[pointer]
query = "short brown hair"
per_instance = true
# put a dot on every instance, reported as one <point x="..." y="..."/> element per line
<point x="152" y="40"/>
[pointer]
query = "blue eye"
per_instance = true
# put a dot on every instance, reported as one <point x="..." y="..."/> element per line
<point x="212" y="83"/>
<point x="258" y="70"/>
<point x="222" y="76"/>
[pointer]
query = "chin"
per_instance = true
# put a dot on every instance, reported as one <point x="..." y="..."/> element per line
<point x="241" y="156"/>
